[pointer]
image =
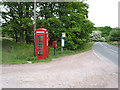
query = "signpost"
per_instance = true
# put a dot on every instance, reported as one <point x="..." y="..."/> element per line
<point x="62" y="42"/>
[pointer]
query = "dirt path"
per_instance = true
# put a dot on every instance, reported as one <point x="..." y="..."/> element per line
<point x="83" y="70"/>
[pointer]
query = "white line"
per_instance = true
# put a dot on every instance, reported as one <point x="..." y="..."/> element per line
<point x="101" y="57"/>
<point x="109" y="48"/>
<point x="96" y="54"/>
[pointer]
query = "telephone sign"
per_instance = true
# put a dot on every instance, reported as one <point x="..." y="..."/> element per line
<point x="41" y="43"/>
<point x="63" y="34"/>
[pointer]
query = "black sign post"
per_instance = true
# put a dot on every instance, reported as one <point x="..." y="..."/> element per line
<point x="54" y="44"/>
<point x="54" y="51"/>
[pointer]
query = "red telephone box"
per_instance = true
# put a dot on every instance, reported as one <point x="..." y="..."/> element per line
<point x="41" y="43"/>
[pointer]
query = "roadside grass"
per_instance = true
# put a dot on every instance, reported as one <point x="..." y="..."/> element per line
<point x="86" y="47"/>
<point x="17" y="53"/>
<point x="114" y="44"/>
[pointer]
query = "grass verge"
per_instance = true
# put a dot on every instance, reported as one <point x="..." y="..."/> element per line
<point x="16" y="53"/>
<point x="114" y="44"/>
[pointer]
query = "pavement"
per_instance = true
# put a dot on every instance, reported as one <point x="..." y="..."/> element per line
<point x="85" y="70"/>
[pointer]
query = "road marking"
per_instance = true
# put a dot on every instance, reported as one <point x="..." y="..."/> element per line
<point x="101" y="57"/>
<point x="109" y="48"/>
<point x="96" y="53"/>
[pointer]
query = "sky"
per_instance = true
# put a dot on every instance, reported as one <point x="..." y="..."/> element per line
<point x="103" y="12"/>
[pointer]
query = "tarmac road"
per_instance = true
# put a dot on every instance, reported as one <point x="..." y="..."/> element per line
<point x="109" y="52"/>
<point x="104" y="50"/>
<point x="83" y="70"/>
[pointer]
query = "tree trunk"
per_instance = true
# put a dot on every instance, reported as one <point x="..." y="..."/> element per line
<point x="27" y="29"/>
<point x="16" y="37"/>
<point x="21" y="16"/>
<point x="21" y="36"/>
<point x="30" y="39"/>
<point x="26" y="38"/>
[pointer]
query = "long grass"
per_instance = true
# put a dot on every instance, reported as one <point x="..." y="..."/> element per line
<point x="16" y="53"/>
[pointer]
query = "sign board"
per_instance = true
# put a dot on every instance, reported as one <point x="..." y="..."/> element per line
<point x="63" y="34"/>
<point x="63" y="43"/>
<point x="40" y="32"/>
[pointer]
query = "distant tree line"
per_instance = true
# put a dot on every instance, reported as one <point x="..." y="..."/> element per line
<point x="57" y="17"/>
<point x="114" y="35"/>
<point x="105" y="33"/>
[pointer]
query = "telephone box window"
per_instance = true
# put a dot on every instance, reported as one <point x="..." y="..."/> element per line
<point x="40" y="45"/>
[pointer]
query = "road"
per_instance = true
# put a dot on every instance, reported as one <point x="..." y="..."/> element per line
<point x="84" y="70"/>
<point x="104" y="50"/>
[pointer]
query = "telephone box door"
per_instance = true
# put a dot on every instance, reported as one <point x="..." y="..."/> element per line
<point x="41" y="44"/>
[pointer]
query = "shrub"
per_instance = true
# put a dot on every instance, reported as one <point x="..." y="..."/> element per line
<point x="96" y="36"/>
<point x="75" y="38"/>
<point x="114" y="35"/>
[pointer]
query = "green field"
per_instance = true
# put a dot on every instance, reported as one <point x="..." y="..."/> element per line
<point x="17" y="53"/>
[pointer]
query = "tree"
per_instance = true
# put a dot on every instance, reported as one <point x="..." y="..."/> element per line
<point x="69" y="17"/>
<point x="18" y="17"/>
<point x="114" y="35"/>
<point x="96" y="36"/>
<point x="105" y="31"/>
<point x="57" y="17"/>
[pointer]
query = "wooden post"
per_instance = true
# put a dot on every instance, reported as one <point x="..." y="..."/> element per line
<point x="34" y="23"/>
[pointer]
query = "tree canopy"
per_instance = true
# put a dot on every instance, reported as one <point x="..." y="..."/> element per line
<point x="114" y="35"/>
<point x="57" y="17"/>
<point x="105" y="30"/>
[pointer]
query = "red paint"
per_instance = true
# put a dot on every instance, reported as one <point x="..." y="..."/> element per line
<point x="41" y="43"/>
<point x="54" y="44"/>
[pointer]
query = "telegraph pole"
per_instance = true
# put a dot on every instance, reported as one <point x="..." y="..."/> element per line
<point x="34" y="16"/>
<point x="34" y="23"/>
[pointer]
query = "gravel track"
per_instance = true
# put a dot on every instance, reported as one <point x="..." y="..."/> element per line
<point x="84" y="70"/>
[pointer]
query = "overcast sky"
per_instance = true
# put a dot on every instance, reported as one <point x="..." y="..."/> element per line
<point x="103" y="12"/>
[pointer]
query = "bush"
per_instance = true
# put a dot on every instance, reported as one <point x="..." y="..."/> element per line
<point x="96" y="36"/>
<point x="75" y="38"/>
<point x="114" y="35"/>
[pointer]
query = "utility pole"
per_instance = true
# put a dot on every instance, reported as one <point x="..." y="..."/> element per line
<point x="34" y="23"/>
<point x="34" y="16"/>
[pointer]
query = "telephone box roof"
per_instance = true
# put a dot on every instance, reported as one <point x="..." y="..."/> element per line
<point x="43" y="29"/>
